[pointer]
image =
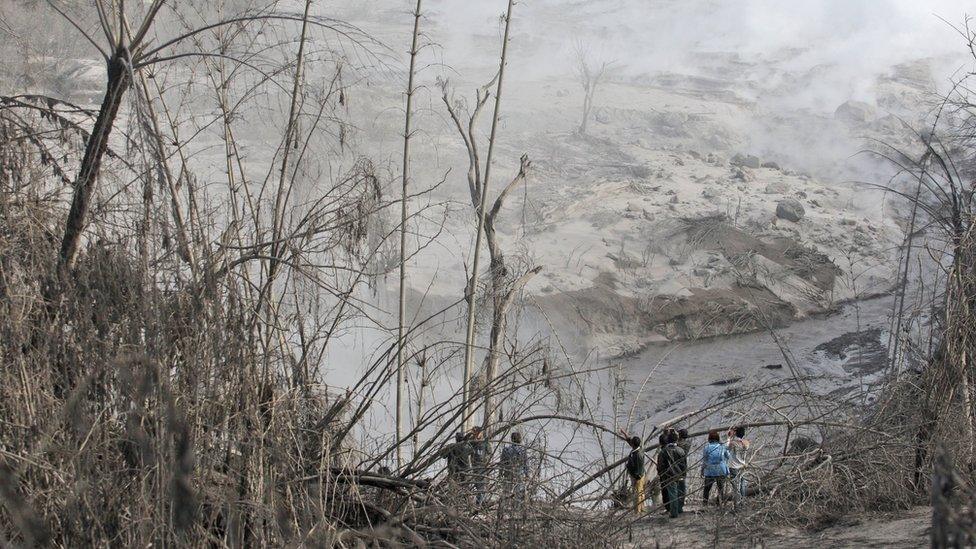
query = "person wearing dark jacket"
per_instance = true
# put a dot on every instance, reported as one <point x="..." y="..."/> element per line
<point x="635" y="470"/>
<point x="514" y="465"/>
<point x="480" y="453"/>
<point x="657" y="487"/>
<point x="672" y="464"/>
<point x="458" y="456"/>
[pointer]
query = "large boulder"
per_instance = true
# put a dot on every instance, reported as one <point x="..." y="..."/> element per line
<point x="790" y="210"/>
<point x="746" y="160"/>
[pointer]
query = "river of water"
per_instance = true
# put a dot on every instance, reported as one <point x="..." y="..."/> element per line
<point x="679" y="378"/>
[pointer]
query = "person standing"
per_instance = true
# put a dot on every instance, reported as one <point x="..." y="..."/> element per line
<point x="514" y="465"/>
<point x="458" y="456"/>
<point x="684" y="442"/>
<point x="479" y="463"/>
<point x="635" y="470"/>
<point x="738" y="446"/>
<point x="672" y="463"/>
<point x="657" y="484"/>
<point x="715" y="466"/>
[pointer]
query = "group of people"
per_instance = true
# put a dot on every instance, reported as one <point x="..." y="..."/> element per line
<point x="469" y="467"/>
<point x="720" y="462"/>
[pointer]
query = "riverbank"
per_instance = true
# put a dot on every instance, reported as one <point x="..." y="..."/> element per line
<point x="906" y="529"/>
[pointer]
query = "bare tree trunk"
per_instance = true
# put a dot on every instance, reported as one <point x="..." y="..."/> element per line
<point x="182" y="235"/>
<point x="473" y="281"/>
<point x="960" y="355"/>
<point x="282" y="192"/>
<point x="119" y="80"/>
<point x="281" y="196"/>
<point x="943" y="532"/>
<point x="401" y="306"/>
<point x="502" y="295"/>
<point x="499" y="324"/>
<point x="421" y="385"/>
<point x="587" y="105"/>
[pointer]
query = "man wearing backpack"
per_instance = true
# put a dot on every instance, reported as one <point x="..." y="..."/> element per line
<point x="635" y="470"/>
<point x="715" y="466"/>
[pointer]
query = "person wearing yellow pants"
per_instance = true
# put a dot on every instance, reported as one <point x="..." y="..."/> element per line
<point x="635" y="469"/>
<point x="638" y="494"/>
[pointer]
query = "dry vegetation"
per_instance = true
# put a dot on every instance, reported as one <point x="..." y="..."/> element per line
<point x="160" y="374"/>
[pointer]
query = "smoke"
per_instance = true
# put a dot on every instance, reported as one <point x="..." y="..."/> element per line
<point x="852" y="42"/>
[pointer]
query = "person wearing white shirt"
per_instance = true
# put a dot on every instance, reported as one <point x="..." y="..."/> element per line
<point x="738" y="447"/>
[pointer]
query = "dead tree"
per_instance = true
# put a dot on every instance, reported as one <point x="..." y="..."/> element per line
<point x="503" y="286"/>
<point x="479" y="200"/>
<point x="122" y="54"/>
<point x="589" y="77"/>
<point x="401" y="307"/>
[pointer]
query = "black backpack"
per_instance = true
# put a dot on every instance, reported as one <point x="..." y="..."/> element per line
<point x="635" y="464"/>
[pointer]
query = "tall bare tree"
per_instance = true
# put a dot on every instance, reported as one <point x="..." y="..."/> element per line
<point x="480" y="210"/>
<point x="401" y="304"/>
<point x="502" y="289"/>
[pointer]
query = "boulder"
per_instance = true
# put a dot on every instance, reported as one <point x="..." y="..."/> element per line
<point x="743" y="174"/>
<point x="855" y="112"/>
<point x="790" y="210"/>
<point x="747" y="160"/>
